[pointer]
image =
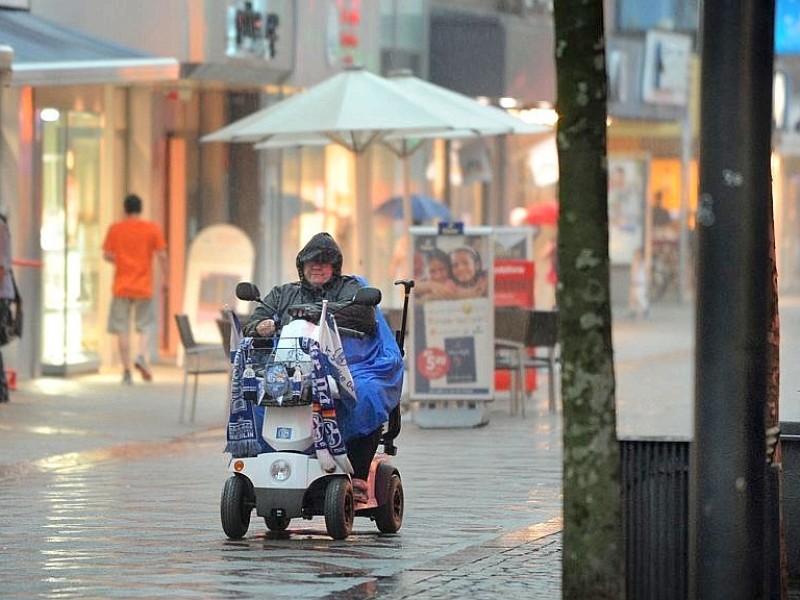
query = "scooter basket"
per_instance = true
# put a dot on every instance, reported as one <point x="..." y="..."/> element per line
<point x="285" y="378"/>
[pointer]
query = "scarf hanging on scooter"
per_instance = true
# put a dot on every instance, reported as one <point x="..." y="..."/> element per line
<point x="328" y="442"/>
<point x="243" y="431"/>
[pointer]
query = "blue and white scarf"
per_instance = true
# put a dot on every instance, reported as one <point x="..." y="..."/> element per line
<point x="243" y="433"/>
<point x="328" y="441"/>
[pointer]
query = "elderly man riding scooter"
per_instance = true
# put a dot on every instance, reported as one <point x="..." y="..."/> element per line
<point x="377" y="376"/>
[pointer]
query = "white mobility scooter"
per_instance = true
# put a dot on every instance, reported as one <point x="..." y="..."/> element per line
<point x="288" y="481"/>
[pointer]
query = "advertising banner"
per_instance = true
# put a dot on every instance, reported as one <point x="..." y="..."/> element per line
<point x="453" y="320"/>
<point x="514" y="283"/>
<point x="514" y="267"/>
<point x="626" y="203"/>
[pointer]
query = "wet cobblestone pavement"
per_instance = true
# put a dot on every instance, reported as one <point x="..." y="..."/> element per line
<point x="105" y="495"/>
<point x="141" y="519"/>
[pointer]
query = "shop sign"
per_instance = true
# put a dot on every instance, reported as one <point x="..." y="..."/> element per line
<point x="343" y="41"/>
<point x="667" y="60"/>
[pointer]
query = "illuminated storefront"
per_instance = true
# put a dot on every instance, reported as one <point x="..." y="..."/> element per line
<point x="62" y="162"/>
<point x="71" y="236"/>
<point x="115" y="131"/>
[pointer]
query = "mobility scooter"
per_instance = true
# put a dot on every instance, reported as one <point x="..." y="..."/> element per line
<point x="288" y="481"/>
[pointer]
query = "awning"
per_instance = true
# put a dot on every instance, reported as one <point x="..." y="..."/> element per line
<point x="49" y="54"/>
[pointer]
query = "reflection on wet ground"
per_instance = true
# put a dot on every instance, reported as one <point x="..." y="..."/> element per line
<point x="143" y="519"/>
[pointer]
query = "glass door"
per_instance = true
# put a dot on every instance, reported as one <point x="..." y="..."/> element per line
<point x="71" y="241"/>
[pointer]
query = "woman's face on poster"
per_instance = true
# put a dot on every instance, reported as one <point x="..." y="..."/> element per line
<point x="437" y="270"/>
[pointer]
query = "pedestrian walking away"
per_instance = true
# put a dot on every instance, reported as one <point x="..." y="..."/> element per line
<point x="130" y="245"/>
<point x="8" y="295"/>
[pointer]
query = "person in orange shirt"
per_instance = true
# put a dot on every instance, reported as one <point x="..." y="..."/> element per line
<point x="130" y="245"/>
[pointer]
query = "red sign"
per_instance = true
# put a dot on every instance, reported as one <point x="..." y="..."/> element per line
<point x="433" y="363"/>
<point x="513" y="282"/>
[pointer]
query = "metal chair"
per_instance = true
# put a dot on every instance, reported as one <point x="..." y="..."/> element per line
<point x="541" y="331"/>
<point x="509" y="351"/>
<point x="198" y="359"/>
<point x="225" y="327"/>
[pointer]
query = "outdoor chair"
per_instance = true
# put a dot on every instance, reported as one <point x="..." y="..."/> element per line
<point x="225" y="327"/>
<point x="509" y="352"/>
<point x="541" y="343"/>
<point x="199" y="359"/>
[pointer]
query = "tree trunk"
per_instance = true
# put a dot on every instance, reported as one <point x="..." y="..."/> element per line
<point x="593" y="564"/>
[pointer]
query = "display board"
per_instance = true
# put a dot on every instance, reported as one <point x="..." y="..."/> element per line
<point x="453" y="317"/>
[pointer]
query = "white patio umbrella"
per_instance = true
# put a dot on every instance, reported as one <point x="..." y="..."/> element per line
<point x="466" y="116"/>
<point x="353" y="108"/>
<point x="356" y="108"/>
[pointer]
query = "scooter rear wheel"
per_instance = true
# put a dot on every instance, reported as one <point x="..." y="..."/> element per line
<point x="389" y="515"/>
<point x="339" y="508"/>
<point x="238" y="499"/>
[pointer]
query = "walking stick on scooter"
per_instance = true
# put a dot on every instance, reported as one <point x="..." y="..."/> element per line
<point x="395" y="419"/>
<point x="400" y="334"/>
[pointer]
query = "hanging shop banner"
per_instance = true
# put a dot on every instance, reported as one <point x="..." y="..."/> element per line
<point x="453" y="320"/>
<point x="626" y="201"/>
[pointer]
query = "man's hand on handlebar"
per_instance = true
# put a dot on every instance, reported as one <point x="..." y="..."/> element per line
<point x="309" y="312"/>
<point x="266" y="328"/>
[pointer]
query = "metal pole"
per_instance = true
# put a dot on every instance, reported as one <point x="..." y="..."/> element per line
<point x="683" y="235"/>
<point x="727" y="474"/>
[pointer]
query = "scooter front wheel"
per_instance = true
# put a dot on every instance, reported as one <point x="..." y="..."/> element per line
<point x="238" y="499"/>
<point x="339" y="508"/>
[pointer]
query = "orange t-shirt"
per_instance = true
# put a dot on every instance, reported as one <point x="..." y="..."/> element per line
<point x="133" y="242"/>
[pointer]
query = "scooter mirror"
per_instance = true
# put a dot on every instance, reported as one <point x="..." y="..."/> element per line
<point x="367" y="296"/>
<point x="246" y="290"/>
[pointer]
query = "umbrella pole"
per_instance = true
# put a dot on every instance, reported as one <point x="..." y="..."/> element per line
<point x="407" y="214"/>
<point x="363" y="213"/>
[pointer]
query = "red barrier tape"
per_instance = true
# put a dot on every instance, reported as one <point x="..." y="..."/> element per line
<point x="24" y="262"/>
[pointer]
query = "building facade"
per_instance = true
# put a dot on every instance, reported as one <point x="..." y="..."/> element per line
<point x="151" y="77"/>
